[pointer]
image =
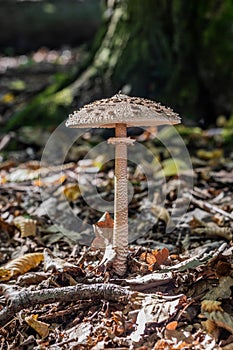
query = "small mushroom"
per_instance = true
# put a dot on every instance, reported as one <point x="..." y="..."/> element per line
<point x="119" y="112"/>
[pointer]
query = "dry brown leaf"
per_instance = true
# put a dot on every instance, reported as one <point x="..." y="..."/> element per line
<point x="149" y="258"/>
<point x="161" y="256"/>
<point x="51" y="262"/>
<point x="20" y="265"/>
<point x="171" y="326"/>
<point x="214" y="313"/>
<point x="105" y="221"/>
<point x="211" y="327"/>
<point x="5" y="274"/>
<point x="27" y="227"/>
<point x="155" y="257"/>
<point x="155" y="311"/>
<point x="119" y="319"/>
<point x="103" y="230"/>
<point x="40" y="327"/>
<point x="211" y="305"/>
<point x="6" y="227"/>
<point x="218" y="319"/>
<point x="165" y="344"/>
<point x="223" y="268"/>
<point x="222" y="319"/>
<point x="180" y="336"/>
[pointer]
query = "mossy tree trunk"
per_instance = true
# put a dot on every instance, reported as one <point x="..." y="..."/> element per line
<point x="175" y="51"/>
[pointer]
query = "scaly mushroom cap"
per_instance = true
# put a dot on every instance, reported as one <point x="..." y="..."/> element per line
<point x="132" y="111"/>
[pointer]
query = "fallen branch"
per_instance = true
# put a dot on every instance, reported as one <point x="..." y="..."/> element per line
<point x="210" y="208"/>
<point x="152" y="280"/>
<point x="24" y="299"/>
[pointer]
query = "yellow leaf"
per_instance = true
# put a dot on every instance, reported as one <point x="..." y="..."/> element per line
<point x="3" y="179"/>
<point x="211" y="305"/>
<point x="5" y="274"/>
<point x="20" y="265"/>
<point x="27" y="227"/>
<point x="171" y="167"/>
<point x="208" y="155"/>
<point x="8" y="98"/>
<point x="72" y="192"/>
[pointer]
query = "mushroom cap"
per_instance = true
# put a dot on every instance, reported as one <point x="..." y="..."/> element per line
<point x="122" y="109"/>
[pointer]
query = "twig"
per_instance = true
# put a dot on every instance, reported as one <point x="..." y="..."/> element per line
<point x="24" y="299"/>
<point x="208" y="207"/>
<point x="152" y="280"/>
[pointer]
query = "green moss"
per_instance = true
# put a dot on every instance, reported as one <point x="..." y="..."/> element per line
<point x="227" y="132"/>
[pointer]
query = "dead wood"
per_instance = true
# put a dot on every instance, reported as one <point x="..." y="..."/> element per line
<point x="213" y="209"/>
<point x="24" y="299"/>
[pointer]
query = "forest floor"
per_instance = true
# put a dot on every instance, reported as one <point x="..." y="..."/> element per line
<point x="58" y="288"/>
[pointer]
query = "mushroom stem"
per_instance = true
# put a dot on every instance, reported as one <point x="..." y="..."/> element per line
<point x="120" y="229"/>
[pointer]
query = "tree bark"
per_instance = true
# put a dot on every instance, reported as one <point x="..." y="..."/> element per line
<point x="24" y="299"/>
<point x="169" y="50"/>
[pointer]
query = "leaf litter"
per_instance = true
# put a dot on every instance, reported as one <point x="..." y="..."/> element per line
<point x="58" y="289"/>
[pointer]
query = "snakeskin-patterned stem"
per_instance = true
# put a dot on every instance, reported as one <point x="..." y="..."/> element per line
<point x="120" y="230"/>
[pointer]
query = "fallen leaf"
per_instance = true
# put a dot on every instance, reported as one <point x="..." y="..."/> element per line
<point x="8" y="98"/>
<point x="20" y="265"/>
<point x="71" y="192"/>
<point x="26" y="226"/>
<point x="171" y="326"/>
<point x="171" y="167"/>
<point x="211" y="327"/>
<point x="155" y="257"/>
<point x="154" y="310"/>
<point x="222" y="319"/>
<point x="78" y="334"/>
<point x="103" y="230"/>
<point x="149" y="258"/>
<point x="6" y="227"/>
<point x="209" y="155"/>
<point x="54" y="263"/>
<point x="40" y="327"/>
<point x="161" y="255"/>
<point x="211" y="305"/>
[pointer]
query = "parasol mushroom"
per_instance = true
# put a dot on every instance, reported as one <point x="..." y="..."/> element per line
<point x="119" y="112"/>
